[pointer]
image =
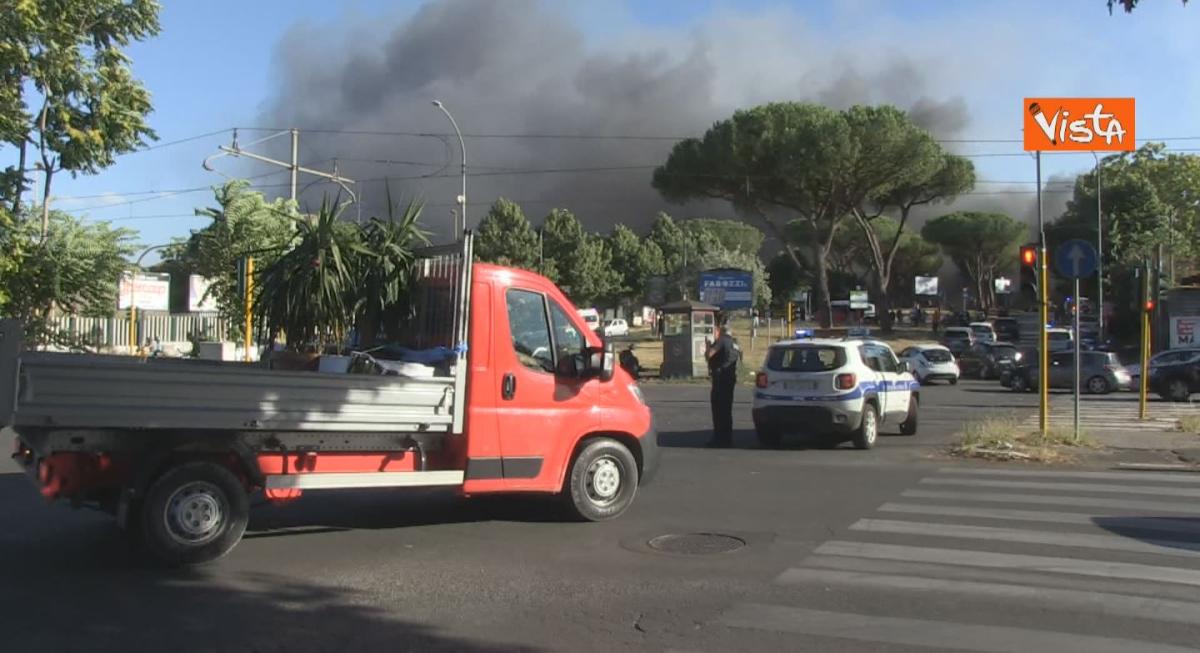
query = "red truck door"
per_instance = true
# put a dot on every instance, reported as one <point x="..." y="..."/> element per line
<point x="539" y="414"/>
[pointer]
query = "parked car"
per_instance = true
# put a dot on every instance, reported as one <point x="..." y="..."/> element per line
<point x="958" y="339"/>
<point x="985" y="360"/>
<point x="835" y="389"/>
<point x="929" y="363"/>
<point x="1169" y="357"/>
<point x="1176" y="381"/>
<point x="1007" y="329"/>
<point x="983" y="332"/>
<point x="617" y="327"/>
<point x="1006" y="370"/>
<point x="1060" y="339"/>
<point x="591" y="317"/>
<point x="1100" y="373"/>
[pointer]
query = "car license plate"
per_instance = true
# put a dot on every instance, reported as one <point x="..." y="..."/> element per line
<point x="800" y="385"/>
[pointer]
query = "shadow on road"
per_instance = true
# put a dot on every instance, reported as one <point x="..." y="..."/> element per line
<point x="1167" y="532"/>
<point x="69" y="582"/>
<point x="746" y="439"/>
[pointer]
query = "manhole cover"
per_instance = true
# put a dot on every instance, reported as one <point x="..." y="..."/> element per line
<point x="697" y="543"/>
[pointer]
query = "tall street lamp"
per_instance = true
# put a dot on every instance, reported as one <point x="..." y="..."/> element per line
<point x="1099" y="252"/>
<point x="462" y="146"/>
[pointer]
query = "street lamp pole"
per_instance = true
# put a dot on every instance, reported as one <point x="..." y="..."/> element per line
<point x="1099" y="252"/>
<point x="462" y="146"/>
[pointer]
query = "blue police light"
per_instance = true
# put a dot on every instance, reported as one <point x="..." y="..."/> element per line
<point x="802" y="334"/>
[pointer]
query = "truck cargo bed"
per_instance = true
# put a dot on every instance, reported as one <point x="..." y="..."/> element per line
<point x="118" y="392"/>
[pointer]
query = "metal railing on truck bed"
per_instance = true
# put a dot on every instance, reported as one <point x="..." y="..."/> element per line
<point x="57" y="391"/>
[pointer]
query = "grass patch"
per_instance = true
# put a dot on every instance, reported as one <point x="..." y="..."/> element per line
<point x="1190" y="424"/>
<point x="1005" y="437"/>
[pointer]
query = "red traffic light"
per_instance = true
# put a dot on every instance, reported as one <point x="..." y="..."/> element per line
<point x="1028" y="255"/>
<point x="1149" y="305"/>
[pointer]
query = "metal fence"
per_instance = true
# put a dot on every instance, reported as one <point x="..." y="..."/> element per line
<point x="107" y="332"/>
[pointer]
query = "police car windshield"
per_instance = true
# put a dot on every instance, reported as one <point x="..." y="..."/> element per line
<point x="806" y="358"/>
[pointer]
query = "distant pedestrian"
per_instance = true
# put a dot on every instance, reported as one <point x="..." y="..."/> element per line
<point x="722" y="355"/>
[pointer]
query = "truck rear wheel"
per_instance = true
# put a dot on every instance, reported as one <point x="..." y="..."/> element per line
<point x="602" y="482"/>
<point x="196" y="512"/>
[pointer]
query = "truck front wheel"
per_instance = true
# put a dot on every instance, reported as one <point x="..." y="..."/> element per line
<point x="602" y="482"/>
<point x="196" y="512"/>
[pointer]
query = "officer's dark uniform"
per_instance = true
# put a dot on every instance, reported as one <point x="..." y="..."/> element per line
<point x="723" y="357"/>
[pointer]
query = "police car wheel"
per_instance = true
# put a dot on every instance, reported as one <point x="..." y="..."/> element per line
<point x="768" y="437"/>
<point x="909" y="425"/>
<point x="868" y="429"/>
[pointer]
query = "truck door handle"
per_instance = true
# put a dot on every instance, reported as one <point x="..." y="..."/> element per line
<point x="508" y="389"/>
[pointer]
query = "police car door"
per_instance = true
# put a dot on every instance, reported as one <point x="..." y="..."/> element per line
<point x="894" y="389"/>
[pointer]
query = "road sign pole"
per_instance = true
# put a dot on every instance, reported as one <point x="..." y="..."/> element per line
<point x="1077" y="356"/>
<point x="1145" y="377"/>
<point x="1043" y="344"/>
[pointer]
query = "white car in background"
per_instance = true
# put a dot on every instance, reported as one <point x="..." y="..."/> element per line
<point x="931" y="362"/>
<point x="1060" y="339"/>
<point x="983" y="332"/>
<point x="617" y="327"/>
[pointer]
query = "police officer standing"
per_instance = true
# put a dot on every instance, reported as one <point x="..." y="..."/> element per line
<point x="722" y="355"/>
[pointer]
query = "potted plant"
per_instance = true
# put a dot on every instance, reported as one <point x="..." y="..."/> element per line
<point x="309" y="293"/>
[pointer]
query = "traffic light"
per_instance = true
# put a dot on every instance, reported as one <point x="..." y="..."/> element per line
<point x="1149" y="306"/>
<point x="1029" y="256"/>
<point x="1029" y="275"/>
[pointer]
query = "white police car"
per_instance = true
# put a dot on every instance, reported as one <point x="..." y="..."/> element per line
<point x="836" y="389"/>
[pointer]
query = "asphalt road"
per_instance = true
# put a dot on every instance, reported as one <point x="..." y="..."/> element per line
<point x="892" y="549"/>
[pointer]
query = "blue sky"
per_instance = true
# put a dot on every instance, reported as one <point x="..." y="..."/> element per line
<point x="214" y="66"/>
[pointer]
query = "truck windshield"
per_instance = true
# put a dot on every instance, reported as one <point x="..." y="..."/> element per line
<point x="810" y="358"/>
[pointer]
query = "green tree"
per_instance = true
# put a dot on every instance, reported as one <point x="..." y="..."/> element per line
<point x="576" y="260"/>
<point x="383" y="271"/>
<point x="671" y="240"/>
<point x="67" y="88"/>
<point x="1149" y="200"/>
<point x="635" y="260"/>
<point x="779" y="162"/>
<point x="1128" y="5"/>
<point x="921" y="173"/>
<point x="979" y="244"/>
<point x="505" y="237"/>
<point x="243" y="224"/>
<point x="733" y="235"/>
<point x="75" y="269"/>
<point x="311" y="291"/>
<point x="12" y="253"/>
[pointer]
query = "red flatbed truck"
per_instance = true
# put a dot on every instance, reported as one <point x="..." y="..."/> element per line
<point x="527" y="400"/>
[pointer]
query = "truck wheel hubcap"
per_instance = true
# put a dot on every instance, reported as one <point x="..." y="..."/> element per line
<point x="869" y="426"/>
<point x="195" y="514"/>
<point x="604" y="479"/>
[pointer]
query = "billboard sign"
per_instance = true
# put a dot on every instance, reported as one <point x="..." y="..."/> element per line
<point x="1078" y="124"/>
<point x="1183" y="331"/>
<point x="859" y="300"/>
<point x="927" y="286"/>
<point x="1003" y="285"/>
<point x="151" y="292"/>
<point x="727" y="289"/>
<point x="199" y="297"/>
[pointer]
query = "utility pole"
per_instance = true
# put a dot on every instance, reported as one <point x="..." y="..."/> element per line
<point x="1099" y="253"/>
<point x="1044" y="301"/>
<point x="294" y="165"/>
<point x="295" y="160"/>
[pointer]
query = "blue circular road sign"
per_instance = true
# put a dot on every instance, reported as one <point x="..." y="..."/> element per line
<point x="1075" y="259"/>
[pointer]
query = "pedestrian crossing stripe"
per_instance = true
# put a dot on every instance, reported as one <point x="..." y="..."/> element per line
<point x="1068" y="541"/>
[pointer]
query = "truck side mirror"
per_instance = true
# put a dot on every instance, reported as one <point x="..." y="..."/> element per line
<point x="600" y="361"/>
<point x="571" y="367"/>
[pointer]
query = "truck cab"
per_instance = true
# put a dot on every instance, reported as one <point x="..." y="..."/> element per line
<point x="520" y="395"/>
